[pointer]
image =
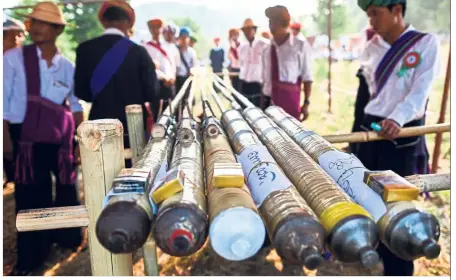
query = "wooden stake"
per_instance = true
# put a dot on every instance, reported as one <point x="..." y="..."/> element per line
<point x="330" y="56"/>
<point x="136" y="133"/>
<point x="102" y="158"/>
<point x="370" y="136"/>
<point x="438" y="137"/>
<point x="150" y="257"/>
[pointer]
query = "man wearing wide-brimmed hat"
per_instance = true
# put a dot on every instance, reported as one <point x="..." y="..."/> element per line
<point x="163" y="64"/>
<point x="399" y="65"/>
<point x="112" y="71"/>
<point x="40" y="114"/>
<point x="13" y="34"/>
<point x="250" y="74"/>
<point x="286" y="66"/>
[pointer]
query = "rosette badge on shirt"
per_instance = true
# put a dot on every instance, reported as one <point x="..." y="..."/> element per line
<point x="411" y="60"/>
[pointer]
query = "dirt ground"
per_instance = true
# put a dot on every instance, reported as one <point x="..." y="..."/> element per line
<point x="206" y="262"/>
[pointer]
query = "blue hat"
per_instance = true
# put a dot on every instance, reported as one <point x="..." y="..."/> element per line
<point x="185" y="31"/>
<point x="13" y="24"/>
<point x="364" y="4"/>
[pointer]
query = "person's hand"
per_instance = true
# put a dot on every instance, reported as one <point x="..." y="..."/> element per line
<point x="168" y="83"/>
<point x="304" y="112"/>
<point x="390" y="129"/>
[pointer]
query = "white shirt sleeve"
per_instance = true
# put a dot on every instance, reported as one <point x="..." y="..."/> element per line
<point x="425" y="73"/>
<point x="74" y="101"/>
<point x="306" y="75"/>
<point x="8" y="77"/>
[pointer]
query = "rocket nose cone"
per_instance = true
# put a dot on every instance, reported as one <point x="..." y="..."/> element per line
<point x="431" y="250"/>
<point x="118" y="240"/>
<point x="181" y="244"/>
<point x="369" y="258"/>
<point x="313" y="261"/>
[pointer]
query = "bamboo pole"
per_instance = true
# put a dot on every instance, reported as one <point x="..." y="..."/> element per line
<point x="135" y="123"/>
<point x="102" y="158"/>
<point x="150" y="257"/>
<point x="370" y="136"/>
<point x="438" y="137"/>
<point x="431" y="183"/>
<point x="330" y="56"/>
<point x="52" y="218"/>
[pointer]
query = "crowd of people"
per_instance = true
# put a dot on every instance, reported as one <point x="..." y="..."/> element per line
<point x="42" y="91"/>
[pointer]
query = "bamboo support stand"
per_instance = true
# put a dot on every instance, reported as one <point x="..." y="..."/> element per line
<point x="443" y="106"/>
<point x="136" y="134"/>
<point x="370" y="136"/>
<point x="102" y="158"/>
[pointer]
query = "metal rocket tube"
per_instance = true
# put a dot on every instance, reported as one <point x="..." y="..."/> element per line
<point x="352" y="234"/>
<point x="181" y="224"/>
<point x="406" y="231"/>
<point x="292" y="226"/>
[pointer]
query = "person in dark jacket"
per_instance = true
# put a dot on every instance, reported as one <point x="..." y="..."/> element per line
<point x="217" y="56"/>
<point x="112" y="71"/>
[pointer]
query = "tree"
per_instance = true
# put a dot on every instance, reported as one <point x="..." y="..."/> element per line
<point x="85" y="18"/>
<point x="340" y="17"/>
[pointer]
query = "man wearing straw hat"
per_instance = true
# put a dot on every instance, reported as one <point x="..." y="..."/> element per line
<point x="250" y="54"/>
<point x="163" y="63"/>
<point x="112" y="71"/>
<point x="40" y="114"/>
<point x="399" y="65"/>
<point x="13" y="34"/>
<point x="287" y="65"/>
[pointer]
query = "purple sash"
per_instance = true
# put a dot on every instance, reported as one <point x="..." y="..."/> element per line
<point x="285" y="95"/>
<point x="108" y="65"/>
<point x="45" y="122"/>
<point x="394" y="55"/>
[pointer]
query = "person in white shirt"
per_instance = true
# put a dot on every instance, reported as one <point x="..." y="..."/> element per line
<point x="169" y="44"/>
<point x="250" y="74"/>
<point x="286" y="65"/>
<point x="233" y="57"/>
<point x="13" y="34"/>
<point x="163" y="65"/>
<point x="40" y="115"/>
<point x="399" y="65"/>
<point x="187" y="58"/>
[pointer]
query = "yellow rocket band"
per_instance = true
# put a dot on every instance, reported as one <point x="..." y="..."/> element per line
<point x="339" y="211"/>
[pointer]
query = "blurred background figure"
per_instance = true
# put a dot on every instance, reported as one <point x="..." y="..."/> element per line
<point x="13" y="37"/>
<point x="193" y="41"/>
<point x="250" y="54"/>
<point x="233" y="56"/>
<point x="217" y="57"/>
<point x="187" y="58"/>
<point x="13" y="34"/>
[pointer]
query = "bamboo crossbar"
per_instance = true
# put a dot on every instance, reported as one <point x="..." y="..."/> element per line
<point x="370" y="136"/>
